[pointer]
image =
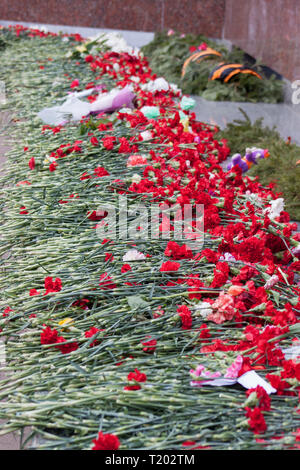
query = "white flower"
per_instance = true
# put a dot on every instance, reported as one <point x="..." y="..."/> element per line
<point x="136" y="178"/>
<point x="115" y="42"/>
<point x="146" y="135"/>
<point x="253" y="198"/>
<point x="49" y="159"/>
<point x="296" y="250"/>
<point x="204" y="309"/>
<point x="227" y="257"/>
<point x="133" y="255"/>
<point x="271" y="282"/>
<point x="276" y="208"/>
<point x="159" y="84"/>
<point x="126" y="110"/>
<point x="41" y="27"/>
<point x="175" y="88"/>
<point x="292" y="352"/>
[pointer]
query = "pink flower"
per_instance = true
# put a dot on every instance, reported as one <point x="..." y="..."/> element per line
<point x="202" y="46"/>
<point x="271" y="282"/>
<point x="233" y="371"/>
<point x="136" y="160"/>
<point x="200" y="371"/>
<point x="223" y="309"/>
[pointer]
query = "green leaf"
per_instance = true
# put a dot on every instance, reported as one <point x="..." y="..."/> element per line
<point x="136" y="302"/>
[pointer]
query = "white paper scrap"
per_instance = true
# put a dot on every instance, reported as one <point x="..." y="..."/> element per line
<point x="251" y="379"/>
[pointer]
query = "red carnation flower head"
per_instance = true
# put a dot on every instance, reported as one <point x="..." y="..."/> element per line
<point x="125" y="268"/>
<point x="94" y="141"/>
<point x="260" y="397"/>
<point x="75" y="83"/>
<point x="31" y="163"/>
<point x="90" y="333"/>
<point x="175" y="251"/>
<point x="105" y="282"/>
<point x="52" y="286"/>
<point x="66" y="348"/>
<point x="135" y="376"/>
<point x="256" y="420"/>
<point x="33" y="292"/>
<point x="100" y="171"/>
<point x="186" y="317"/>
<point x="150" y="345"/>
<point x="106" y="442"/>
<point x="49" y="336"/>
<point x="89" y="58"/>
<point x="6" y="311"/>
<point x="108" y="142"/>
<point x="169" y="266"/>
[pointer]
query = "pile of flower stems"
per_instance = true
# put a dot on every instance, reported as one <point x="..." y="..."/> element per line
<point x="66" y="399"/>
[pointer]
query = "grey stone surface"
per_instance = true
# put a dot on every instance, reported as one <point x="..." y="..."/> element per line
<point x="286" y="118"/>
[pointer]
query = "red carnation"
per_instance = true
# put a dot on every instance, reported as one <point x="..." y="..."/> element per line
<point x="256" y="420"/>
<point x="75" y="83"/>
<point x="31" y="163"/>
<point x="135" y="376"/>
<point x="66" y="348"/>
<point x="186" y="317"/>
<point x="150" y="345"/>
<point x="100" y="171"/>
<point x="169" y="266"/>
<point x="105" y="282"/>
<point x="90" y="333"/>
<point x="108" y="142"/>
<point x="33" y="292"/>
<point x="124" y="145"/>
<point x="125" y="268"/>
<point x="262" y="396"/>
<point x="49" y="336"/>
<point x="94" y="141"/>
<point x="89" y="58"/>
<point x="106" y="442"/>
<point x="176" y="251"/>
<point x="52" y="286"/>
